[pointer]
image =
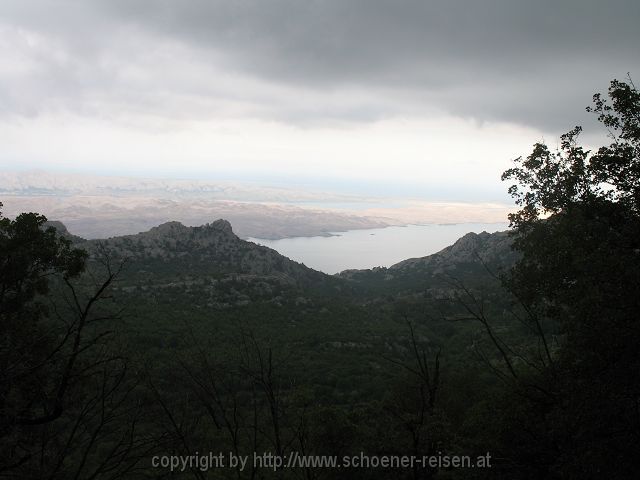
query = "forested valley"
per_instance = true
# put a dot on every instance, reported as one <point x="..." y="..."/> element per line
<point x="182" y="341"/>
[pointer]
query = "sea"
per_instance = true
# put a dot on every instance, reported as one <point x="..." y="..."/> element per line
<point x="377" y="247"/>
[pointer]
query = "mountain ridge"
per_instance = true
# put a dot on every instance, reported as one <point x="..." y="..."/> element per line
<point x="491" y="248"/>
<point x="211" y="251"/>
<point x="173" y="239"/>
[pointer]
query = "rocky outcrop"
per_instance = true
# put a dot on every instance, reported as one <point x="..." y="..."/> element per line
<point x="474" y="259"/>
<point x="61" y="230"/>
<point x="210" y="251"/>
<point x="489" y="248"/>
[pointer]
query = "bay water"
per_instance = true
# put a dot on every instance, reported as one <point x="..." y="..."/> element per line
<point x="379" y="247"/>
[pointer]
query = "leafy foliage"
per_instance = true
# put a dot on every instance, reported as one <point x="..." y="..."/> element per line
<point x="579" y="232"/>
<point x="29" y="255"/>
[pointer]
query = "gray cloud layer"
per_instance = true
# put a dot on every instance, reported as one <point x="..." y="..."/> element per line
<point x="529" y="62"/>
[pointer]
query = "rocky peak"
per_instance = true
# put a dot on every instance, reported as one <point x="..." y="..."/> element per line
<point x="222" y="226"/>
<point x="210" y="249"/>
<point x="168" y="229"/>
<point x="468" y="247"/>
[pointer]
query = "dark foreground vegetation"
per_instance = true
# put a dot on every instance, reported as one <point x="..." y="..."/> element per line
<point x="184" y="341"/>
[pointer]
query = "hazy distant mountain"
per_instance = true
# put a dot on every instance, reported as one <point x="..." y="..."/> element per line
<point x="29" y="183"/>
<point x="101" y="207"/>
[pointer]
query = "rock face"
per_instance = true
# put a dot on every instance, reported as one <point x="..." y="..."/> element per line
<point x="103" y="214"/>
<point x="61" y="229"/>
<point x="468" y="260"/>
<point x="210" y="251"/>
<point x="489" y="248"/>
<point x="172" y="239"/>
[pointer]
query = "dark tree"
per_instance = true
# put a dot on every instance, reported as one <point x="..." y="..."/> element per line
<point x="578" y="229"/>
<point x="66" y="393"/>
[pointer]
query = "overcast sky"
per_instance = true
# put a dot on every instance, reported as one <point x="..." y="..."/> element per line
<point x="429" y="98"/>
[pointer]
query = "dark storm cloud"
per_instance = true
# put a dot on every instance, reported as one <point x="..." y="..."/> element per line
<point x="530" y="62"/>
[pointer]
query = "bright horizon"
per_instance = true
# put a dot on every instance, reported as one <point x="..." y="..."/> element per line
<point x="400" y="158"/>
<point x="420" y="102"/>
